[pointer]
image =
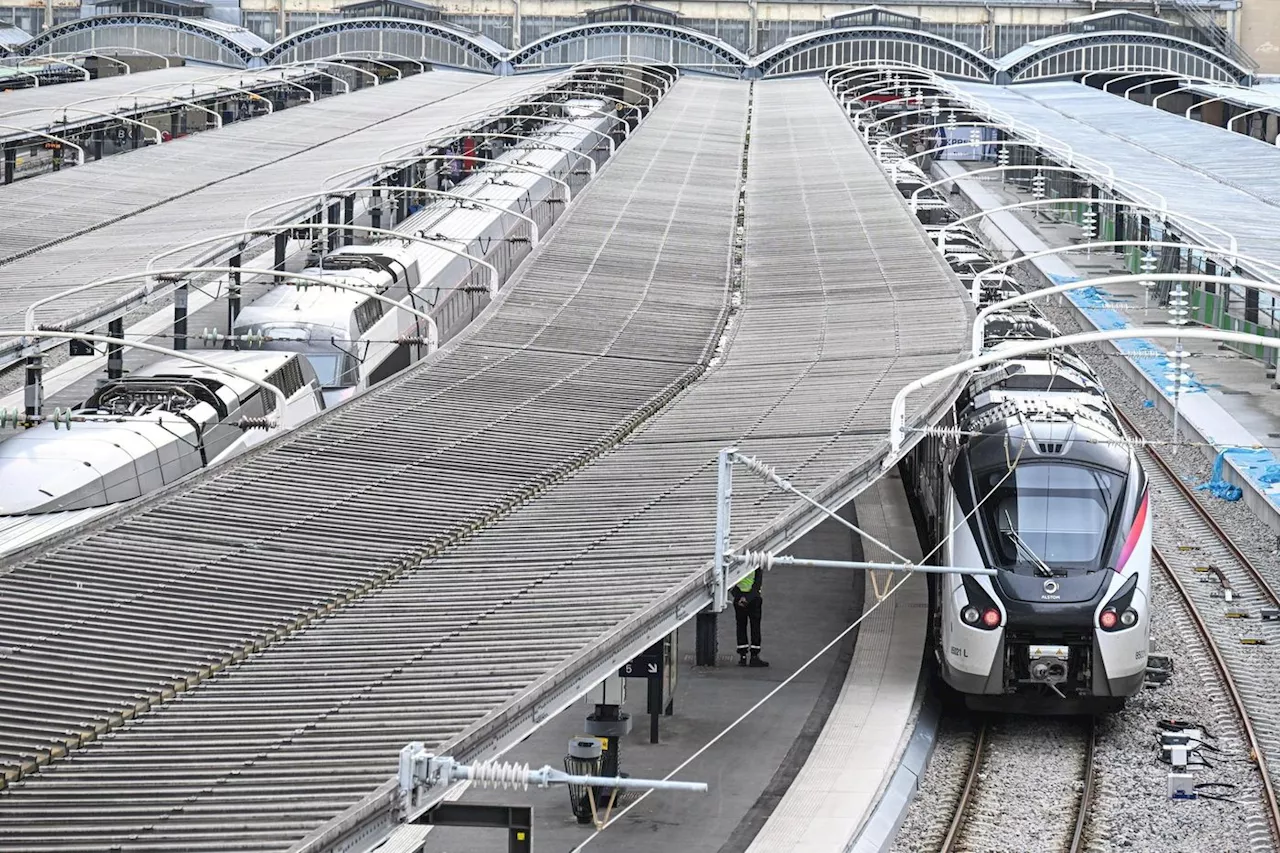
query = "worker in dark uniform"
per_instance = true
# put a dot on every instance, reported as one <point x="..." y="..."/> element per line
<point x="747" y="607"/>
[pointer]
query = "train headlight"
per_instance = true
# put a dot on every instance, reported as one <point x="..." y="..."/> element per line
<point x="970" y="615"/>
<point x="1108" y="619"/>
<point x="991" y="617"/>
<point x="1129" y="618"/>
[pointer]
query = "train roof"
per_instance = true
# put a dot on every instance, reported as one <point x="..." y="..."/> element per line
<point x="1039" y="429"/>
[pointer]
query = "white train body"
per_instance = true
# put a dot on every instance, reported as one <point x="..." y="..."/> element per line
<point x="1037" y="482"/>
<point x="351" y="338"/>
<point x="338" y="341"/>
<point x="144" y="432"/>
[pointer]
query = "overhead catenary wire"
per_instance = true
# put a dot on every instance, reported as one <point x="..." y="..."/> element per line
<point x="808" y="663"/>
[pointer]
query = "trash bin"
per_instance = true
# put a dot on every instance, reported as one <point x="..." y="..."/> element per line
<point x="584" y="759"/>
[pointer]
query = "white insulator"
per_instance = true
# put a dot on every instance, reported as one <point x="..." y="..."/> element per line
<point x="499" y="774"/>
<point x="755" y="560"/>
<point x="755" y="466"/>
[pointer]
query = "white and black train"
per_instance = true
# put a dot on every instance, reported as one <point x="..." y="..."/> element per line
<point x="1032" y="476"/>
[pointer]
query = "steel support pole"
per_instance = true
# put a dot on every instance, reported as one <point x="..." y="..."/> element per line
<point x="34" y="392"/>
<point x="333" y="212"/>
<point x="233" y="296"/>
<point x="375" y="209"/>
<point x="282" y="243"/>
<point x="10" y="162"/>
<point x="180" y="300"/>
<point x="705" y="641"/>
<point x="115" y="352"/>
<point x="348" y="218"/>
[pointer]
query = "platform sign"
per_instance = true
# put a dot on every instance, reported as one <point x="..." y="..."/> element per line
<point x="81" y="348"/>
<point x="658" y="666"/>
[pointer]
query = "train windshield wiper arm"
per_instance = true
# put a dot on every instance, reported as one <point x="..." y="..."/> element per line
<point x="1042" y="568"/>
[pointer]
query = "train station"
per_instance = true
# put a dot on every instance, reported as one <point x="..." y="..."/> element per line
<point x="743" y="428"/>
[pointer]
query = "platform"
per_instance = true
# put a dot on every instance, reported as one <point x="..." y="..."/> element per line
<point x="459" y="553"/>
<point x="857" y="751"/>
<point x="1231" y="403"/>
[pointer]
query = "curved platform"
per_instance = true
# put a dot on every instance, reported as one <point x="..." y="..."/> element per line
<point x="858" y="750"/>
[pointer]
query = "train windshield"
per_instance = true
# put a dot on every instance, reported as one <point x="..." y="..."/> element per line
<point x="1044" y="516"/>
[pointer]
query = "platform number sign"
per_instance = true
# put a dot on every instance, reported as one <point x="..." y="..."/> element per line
<point x="657" y="665"/>
<point x="121" y="135"/>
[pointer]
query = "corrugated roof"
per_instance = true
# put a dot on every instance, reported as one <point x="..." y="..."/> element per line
<point x="1203" y="171"/>
<point x="605" y="330"/>
<point x="1262" y="95"/>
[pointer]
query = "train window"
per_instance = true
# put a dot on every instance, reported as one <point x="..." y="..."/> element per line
<point x="1056" y="515"/>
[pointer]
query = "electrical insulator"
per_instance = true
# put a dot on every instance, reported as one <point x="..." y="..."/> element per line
<point x="1037" y="186"/>
<point x="1002" y="156"/>
<point x="1178" y="307"/>
<point x="1088" y="223"/>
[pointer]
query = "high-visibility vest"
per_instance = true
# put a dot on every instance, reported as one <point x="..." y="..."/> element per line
<point x="748" y="583"/>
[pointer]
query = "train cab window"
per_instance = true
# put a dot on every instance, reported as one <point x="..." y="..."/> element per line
<point x="335" y="369"/>
<point x="1052" y="515"/>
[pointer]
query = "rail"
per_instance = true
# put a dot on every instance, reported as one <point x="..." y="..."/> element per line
<point x="1229" y="682"/>
<point x="951" y="842"/>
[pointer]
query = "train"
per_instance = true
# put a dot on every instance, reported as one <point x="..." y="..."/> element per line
<point x="1030" y="473"/>
<point x="323" y="345"/>
<point x="354" y="340"/>
<point x="142" y="432"/>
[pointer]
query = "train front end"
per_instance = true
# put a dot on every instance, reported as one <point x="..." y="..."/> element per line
<point x="1057" y="504"/>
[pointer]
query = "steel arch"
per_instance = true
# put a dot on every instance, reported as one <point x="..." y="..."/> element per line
<point x="189" y="26"/>
<point x="973" y="65"/>
<point x="475" y="46"/>
<point x="726" y="56"/>
<point x="1021" y="68"/>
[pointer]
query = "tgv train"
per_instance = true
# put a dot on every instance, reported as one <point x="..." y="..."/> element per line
<point x="322" y="345"/>
<point x="141" y="433"/>
<point x="1030" y="475"/>
<point x="352" y="339"/>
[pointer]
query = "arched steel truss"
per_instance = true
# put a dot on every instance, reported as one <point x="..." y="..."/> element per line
<point x="474" y="52"/>
<point x="824" y="49"/>
<point x="1068" y="56"/>
<point x="190" y="26"/>
<point x="633" y="41"/>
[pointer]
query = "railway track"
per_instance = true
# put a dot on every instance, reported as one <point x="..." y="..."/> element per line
<point x="1188" y="542"/>
<point x="1057" y="753"/>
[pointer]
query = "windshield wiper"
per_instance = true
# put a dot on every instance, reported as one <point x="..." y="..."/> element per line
<point x="1042" y="568"/>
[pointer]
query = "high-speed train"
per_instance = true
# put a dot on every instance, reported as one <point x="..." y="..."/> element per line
<point x="353" y="340"/>
<point x="142" y="432"/>
<point x="1030" y="474"/>
<point x="320" y="344"/>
